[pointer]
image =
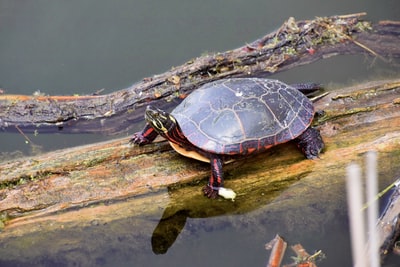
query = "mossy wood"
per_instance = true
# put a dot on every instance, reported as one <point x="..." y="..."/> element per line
<point x="355" y="120"/>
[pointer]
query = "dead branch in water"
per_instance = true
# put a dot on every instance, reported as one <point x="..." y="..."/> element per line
<point x="293" y="44"/>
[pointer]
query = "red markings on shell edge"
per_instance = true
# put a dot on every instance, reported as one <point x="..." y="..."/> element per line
<point x="249" y="147"/>
<point x="251" y="150"/>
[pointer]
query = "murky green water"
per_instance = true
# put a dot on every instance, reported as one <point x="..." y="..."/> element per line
<point x="186" y="237"/>
<point x="172" y="228"/>
<point x="65" y="47"/>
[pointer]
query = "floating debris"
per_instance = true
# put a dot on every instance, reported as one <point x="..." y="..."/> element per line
<point x="278" y="247"/>
<point x="302" y="259"/>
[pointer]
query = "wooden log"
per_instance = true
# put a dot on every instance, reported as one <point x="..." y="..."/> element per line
<point x="293" y="44"/>
<point x="355" y="120"/>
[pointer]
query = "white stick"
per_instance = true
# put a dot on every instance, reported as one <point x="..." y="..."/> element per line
<point x="372" y="192"/>
<point x="357" y="227"/>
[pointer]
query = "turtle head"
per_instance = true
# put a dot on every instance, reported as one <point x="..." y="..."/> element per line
<point x="160" y="120"/>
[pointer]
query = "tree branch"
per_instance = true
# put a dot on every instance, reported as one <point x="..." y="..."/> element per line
<point x="293" y="44"/>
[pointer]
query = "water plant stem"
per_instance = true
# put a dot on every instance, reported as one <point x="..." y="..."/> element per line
<point x="372" y="191"/>
<point x="357" y="227"/>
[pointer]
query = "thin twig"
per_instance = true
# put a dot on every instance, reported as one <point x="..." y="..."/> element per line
<point x="24" y="135"/>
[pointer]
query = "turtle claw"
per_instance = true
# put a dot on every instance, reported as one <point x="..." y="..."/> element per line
<point x="138" y="139"/>
<point x="146" y="136"/>
<point x="210" y="192"/>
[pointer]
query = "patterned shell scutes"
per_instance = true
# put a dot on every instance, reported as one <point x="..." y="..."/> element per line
<point x="242" y="115"/>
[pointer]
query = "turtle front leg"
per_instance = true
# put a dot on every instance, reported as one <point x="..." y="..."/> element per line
<point x="146" y="136"/>
<point x="216" y="179"/>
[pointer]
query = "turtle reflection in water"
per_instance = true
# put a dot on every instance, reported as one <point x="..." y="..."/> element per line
<point x="234" y="118"/>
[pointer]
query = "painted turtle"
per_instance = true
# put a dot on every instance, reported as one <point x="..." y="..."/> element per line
<point x="234" y="118"/>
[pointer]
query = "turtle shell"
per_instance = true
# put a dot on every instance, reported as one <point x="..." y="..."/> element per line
<point x="243" y="115"/>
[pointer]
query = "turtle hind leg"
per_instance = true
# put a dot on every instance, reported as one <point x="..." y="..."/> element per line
<point x="216" y="178"/>
<point x="310" y="143"/>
